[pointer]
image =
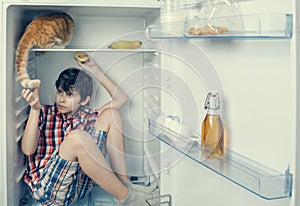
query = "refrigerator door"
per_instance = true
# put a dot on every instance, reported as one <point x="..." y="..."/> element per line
<point x="258" y="82"/>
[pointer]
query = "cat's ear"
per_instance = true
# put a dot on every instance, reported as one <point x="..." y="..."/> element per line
<point x="84" y="102"/>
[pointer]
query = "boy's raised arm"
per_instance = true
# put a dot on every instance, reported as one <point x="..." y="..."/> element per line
<point x="119" y="98"/>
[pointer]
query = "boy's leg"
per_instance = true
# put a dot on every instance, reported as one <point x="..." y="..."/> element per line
<point x="79" y="146"/>
<point x="110" y="121"/>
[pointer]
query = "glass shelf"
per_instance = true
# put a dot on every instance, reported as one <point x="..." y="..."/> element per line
<point x="248" y="174"/>
<point x="93" y="50"/>
<point x="255" y="26"/>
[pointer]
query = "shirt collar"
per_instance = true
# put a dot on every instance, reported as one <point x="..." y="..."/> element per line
<point x="67" y="117"/>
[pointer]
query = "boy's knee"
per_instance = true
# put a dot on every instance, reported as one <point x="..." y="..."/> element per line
<point x="110" y="116"/>
<point x="72" y="145"/>
<point x="76" y="133"/>
<point x="110" y="113"/>
<point x="74" y="140"/>
<point x="77" y="144"/>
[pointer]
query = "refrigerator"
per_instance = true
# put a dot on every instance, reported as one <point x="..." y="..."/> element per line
<point x="254" y="67"/>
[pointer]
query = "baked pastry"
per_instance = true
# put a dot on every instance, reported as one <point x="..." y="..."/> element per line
<point x="208" y="30"/>
<point x="81" y="56"/>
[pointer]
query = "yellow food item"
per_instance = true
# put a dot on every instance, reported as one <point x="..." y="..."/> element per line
<point x="125" y="44"/>
<point x="81" y="56"/>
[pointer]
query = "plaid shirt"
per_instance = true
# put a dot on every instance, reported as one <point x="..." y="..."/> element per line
<point x="54" y="127"/>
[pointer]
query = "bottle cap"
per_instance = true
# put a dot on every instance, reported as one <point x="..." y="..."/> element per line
<point x="212" y="101"/>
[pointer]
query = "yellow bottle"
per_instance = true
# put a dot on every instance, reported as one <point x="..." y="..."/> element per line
<point x="212" y="133"/>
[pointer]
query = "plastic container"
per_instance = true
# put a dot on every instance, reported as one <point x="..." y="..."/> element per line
<point x="172" y="18"/>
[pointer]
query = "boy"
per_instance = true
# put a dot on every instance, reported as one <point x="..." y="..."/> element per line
<point x="66" y="142"/>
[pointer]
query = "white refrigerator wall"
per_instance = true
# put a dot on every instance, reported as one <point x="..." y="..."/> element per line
<point x="297" y="145"/>
<point x="2" y="127"/>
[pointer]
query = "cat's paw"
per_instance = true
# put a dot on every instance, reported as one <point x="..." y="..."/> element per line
<point x="34" y="83"/>
<point x="59" y="47"/>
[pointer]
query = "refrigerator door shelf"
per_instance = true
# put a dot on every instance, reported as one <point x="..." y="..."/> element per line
<point x="248" y="174"/>
<point x="255" y="26"/>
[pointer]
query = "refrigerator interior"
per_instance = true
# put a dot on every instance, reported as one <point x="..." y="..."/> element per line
<point x="171" y="76"/>
<point x="95" y="28"/>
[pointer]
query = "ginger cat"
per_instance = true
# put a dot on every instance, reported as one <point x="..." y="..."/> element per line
<point x="45" y="31"/>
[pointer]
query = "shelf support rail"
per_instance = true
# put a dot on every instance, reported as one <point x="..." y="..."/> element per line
<point x="288" y="181"/>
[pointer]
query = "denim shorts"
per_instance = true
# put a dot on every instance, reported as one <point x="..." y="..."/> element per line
<point x="99" y="137"/>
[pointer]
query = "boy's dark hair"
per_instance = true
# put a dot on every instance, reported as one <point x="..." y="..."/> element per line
<point x="73" y="78"/>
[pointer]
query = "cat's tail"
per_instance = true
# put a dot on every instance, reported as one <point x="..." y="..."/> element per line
<point x="24" y="45"/>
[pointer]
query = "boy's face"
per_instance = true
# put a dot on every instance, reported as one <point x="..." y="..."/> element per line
<point x="68" y="103"/>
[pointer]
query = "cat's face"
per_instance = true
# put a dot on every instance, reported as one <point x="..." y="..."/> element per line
<point x="69" y="103"/>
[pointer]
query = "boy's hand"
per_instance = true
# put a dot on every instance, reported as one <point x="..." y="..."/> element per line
<point x="89" y="65"/>
<point x="32" y="98"/>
